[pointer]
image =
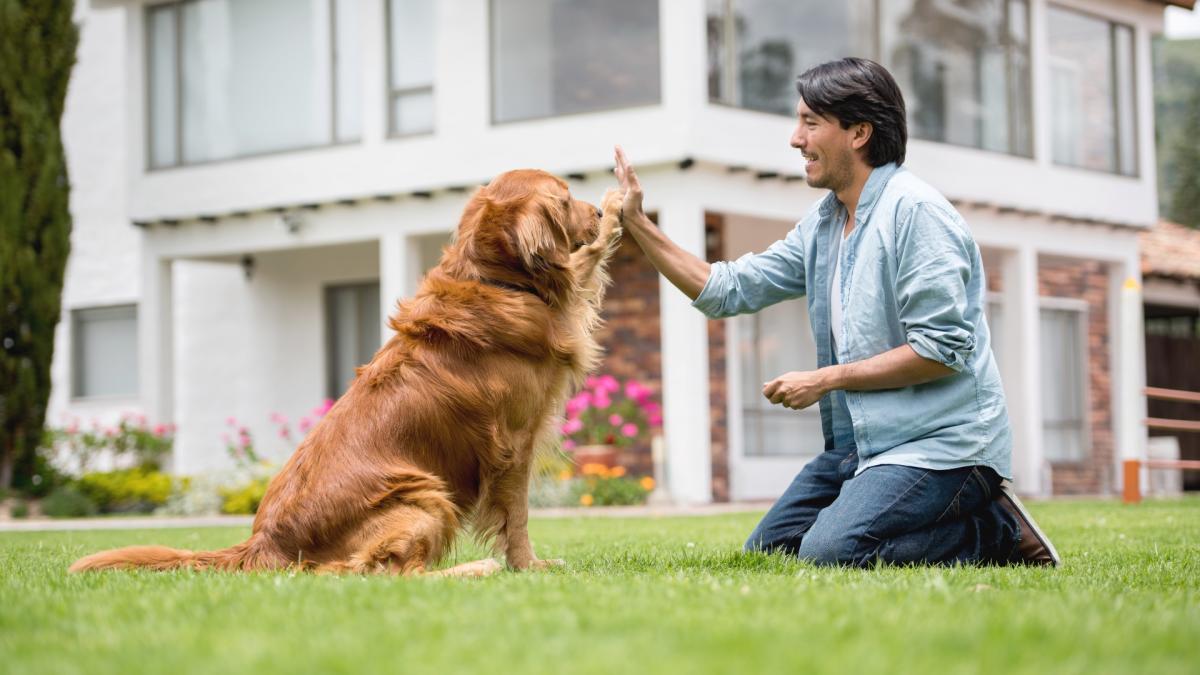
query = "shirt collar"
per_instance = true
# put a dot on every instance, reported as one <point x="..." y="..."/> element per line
<point x="870" y="195"/>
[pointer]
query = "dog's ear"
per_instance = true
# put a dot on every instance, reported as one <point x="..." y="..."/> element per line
<point x="539" y="236"/>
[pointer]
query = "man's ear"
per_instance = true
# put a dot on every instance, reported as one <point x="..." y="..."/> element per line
<point x="860" y="134"/>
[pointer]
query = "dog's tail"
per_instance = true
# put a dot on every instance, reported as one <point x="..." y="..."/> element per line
<point x="252" y="554"/>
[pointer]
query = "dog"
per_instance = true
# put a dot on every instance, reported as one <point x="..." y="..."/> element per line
<point x="439" y="430"/>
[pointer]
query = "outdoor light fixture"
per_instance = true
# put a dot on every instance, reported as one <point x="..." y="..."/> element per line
<point x="248" y="266"/>
<point x="291" y="221"/>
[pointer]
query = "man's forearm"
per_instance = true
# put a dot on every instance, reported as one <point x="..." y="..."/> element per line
<point x="893" y="369"/>
<point x="687" y="272"/>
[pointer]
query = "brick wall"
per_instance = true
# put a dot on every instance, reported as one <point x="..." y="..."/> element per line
<point x="714" y="229"/>
<point x="630" y="334"/>
<point x="1085" y="280"/>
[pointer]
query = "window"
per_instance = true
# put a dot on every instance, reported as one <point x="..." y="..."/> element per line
<point x="964" y="69"/>
<point x="557" y="57"/>
<point x="104" y="352"/>
<point x="410" y="67"/>
<point x="352" y="328"/>
<point x="770" y="343"/>
<point x="236" y="78"/>
<point x="1064" y="382"/>
<point x="756" y="48"/>
<point x="963" y="65"/>
<point x="1091" y="82"/>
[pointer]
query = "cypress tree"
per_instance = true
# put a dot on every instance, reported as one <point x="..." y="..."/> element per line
<point x="37" y="51"/>
<point x="1185" y="201"/>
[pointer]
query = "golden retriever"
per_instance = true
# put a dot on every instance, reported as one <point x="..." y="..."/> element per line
<point x="439" y="430"/>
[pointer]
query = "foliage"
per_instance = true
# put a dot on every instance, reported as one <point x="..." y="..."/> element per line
<point x="1185" y="201"/>
<point x="19" y="509"/>
<point x="1176" y="79"/>
<point x="599" y="485"/>
<point x="68" y="501"/>
<point x="37" y="52"/>
<point x="131" y="441"/>
<point x="607" y="412"/>
<point x="126" y="490"/>
<point x="244" y="499"/>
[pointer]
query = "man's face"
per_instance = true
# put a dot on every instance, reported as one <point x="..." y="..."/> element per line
<point x="827" y="147"/>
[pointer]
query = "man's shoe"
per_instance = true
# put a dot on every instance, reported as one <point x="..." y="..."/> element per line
<point x="1034" y="547"/>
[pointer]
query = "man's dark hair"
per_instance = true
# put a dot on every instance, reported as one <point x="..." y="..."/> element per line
<point x="854" y="90"/>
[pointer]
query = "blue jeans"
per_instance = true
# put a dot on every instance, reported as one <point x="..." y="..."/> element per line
<point x="889" y="513"/>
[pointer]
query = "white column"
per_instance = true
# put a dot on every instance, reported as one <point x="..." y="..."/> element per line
<point x="156" y="349"/>
<point x="1022" y="367"/>
<point x="393" y="275"/>
<point x="685" y="367"/>
<point x="1128" y="363"/>
<point x="1039" y="76"/>
<point x="375" y="100"/>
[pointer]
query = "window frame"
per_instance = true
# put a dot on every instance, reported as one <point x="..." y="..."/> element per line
<point x="729" y="79"/>
<point x="393" y="93"/>
<point x="493" y="61"/>
<point x="332" y="389"/>
<point x="1082" y="311"/>
<point x="1115" y="104"/>
<point x="76" y="355"/>
<point x="148" y="94"/>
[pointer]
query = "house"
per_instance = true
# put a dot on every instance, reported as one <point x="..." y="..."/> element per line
<point x="1171" y="272"/>
<point x="257" y="181"/>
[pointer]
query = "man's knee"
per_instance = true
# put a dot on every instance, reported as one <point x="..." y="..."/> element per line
<point x="824" y="547"/>
<point x="767" y="541"/>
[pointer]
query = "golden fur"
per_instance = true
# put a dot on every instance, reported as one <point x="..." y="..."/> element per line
<point x="439" y="430"/>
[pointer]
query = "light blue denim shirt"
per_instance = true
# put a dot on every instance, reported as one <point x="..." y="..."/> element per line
<point x="911" y="274"/>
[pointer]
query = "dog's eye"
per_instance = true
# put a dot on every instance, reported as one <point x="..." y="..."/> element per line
<point x="575" y="246"/>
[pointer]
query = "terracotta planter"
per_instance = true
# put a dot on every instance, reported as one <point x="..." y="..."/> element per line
<point x="595" y="454"/>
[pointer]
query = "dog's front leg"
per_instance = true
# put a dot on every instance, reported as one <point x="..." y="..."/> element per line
<point x="512" y="497"/>
<point x="587" y="262"/>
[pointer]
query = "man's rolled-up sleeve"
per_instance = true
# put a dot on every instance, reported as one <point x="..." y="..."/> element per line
<point x="934" y="261"/>
<point x="755" y="280"/>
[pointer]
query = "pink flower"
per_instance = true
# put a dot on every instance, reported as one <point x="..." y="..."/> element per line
<point x="655" y="419"/>
<point x="571" y="426"/>
<point x="615" y="420"/>
<point x="629" y="429"/>
<point x="284" y="433"/>
<point x="305" y="424"/>
<point x="568" y="444"/>
<point x="609" y="383"/>
<point x="278" y="418"/>
<point x="601" y="399"/>
<point x="171" y="428"/>
<point x="160" y="430"/>
<point x="225" y="439"/>
<point x="325" y="406"/>
<point x="578" y="403"/>
<point x="231" y="421"/>
<point x="592" y="382"/>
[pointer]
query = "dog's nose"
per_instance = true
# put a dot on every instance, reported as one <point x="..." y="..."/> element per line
<point x="599" y="213"/>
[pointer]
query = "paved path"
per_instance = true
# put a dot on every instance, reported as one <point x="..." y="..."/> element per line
<point x="155" y="522"/>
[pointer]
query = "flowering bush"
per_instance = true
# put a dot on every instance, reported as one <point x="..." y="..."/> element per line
<point x="138" y="490"/>
<point x="599" y="485"/>
<point x="607" y="412"/>
<point x="131" y="441"/>
<point x="239" y="441"/>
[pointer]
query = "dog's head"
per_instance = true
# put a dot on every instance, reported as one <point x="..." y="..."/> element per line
<point x="520" y="230"/>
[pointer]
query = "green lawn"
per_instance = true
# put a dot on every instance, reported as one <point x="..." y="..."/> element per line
<point x="638" y="595"/>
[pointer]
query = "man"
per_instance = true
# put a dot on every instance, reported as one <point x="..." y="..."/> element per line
<point x="917" y="438"/>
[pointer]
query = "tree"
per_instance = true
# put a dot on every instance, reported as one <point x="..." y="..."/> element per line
<point x="1185" y="200"/>
<point x="37" y="51"/>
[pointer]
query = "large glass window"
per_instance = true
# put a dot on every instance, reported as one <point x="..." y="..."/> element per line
<point x="1092" y="88"/>
<point x="963" y="66"/>
<point x="104" y="352"/>
<point x="352" y="330"/>
<point x="557" y="57"/>
<point x="410" y="67"/>
<point x="770" y="343"/>
<point x="756" y="48"/>
<point x="234" y="78"/>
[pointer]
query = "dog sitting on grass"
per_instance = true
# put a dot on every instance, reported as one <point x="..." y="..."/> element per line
<point x="440" y="429"/>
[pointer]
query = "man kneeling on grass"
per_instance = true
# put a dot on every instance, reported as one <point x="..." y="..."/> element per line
<point x="917" y="440"/>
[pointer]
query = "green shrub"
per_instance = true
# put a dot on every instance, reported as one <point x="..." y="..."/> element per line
<point x="599" y="485"/>
<point x="244" y="499"/>
<point x="68" y="502"/>
<point x="19" y="509"/>
<point x="137" y="490"/>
